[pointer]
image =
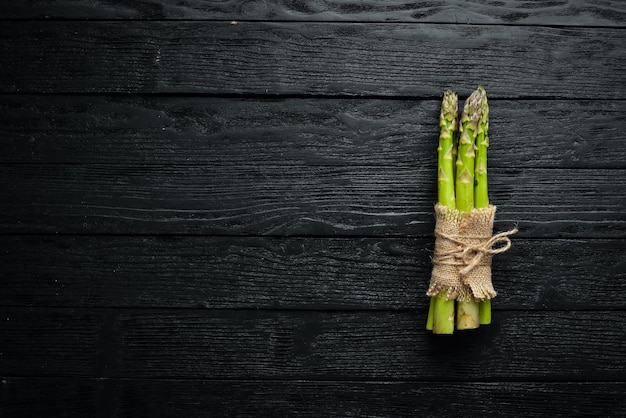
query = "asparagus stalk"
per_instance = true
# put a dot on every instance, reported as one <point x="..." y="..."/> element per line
<point x="467" y="312"/>
<point x="441" y="312"/>
<point x="470" y="119"/>
<point x="431" y="314"/>
<point x="445" y="163"/>
<point x="443" y="315"/>
<point x="481" y="197"/>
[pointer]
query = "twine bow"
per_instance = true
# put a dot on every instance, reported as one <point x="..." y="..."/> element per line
<point x="473" y="254"/>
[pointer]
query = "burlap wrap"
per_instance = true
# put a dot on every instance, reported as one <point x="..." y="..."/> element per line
<point x="464" y="246"/>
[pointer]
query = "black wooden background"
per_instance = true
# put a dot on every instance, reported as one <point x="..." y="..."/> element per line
<point x="226" y="208"/>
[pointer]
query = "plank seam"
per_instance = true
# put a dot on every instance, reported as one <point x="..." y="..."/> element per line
<point x="270" y="379"/>
<point x="310" y="21"/>
<point x="302" y="96"/>
<point x="114" y="310"/>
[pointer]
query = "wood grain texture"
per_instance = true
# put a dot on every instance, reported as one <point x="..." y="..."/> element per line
<point x="295" y="200"/>
<point x="49" y="397"/>
<point x="225" y="208"/>
<point x="62" y="397"/>
<point x="311" y="58"/>
<point x="294" y="273"/>
<point x="49" y="342"/>
<point x="587" y="12"/>
<point x="311" y="131"/>
<point x="423" y="399"/>
<point x="303" y="345"/>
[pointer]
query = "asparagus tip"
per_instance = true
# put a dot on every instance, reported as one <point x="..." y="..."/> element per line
<point x="449" y="107"/>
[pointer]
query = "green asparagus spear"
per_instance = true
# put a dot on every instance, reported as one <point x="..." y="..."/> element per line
<point x="467" y="312"/>
<point x="466" y="152"/>
<point x="431" y="314"/>
<point x="441" y="311"/>
<point x="481" y="197"/>
<point x="445" y="163"/>
<point x="443" y="315"/>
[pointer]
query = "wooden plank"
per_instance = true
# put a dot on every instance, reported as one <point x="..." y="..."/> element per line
<point x="364" y="345"/>
<point x="294" y="200"/>
<point x="311" y="131"/>
<point x="311" y="58"/>
<point x="197" y="398"/>
<point x="585" y="13"/>
<point x="49" y="397"/>
<point x="341" y="399"/>
<point x="328" y="345"/>
<point x="293" y="273"/>
<point x="44" y="342"/>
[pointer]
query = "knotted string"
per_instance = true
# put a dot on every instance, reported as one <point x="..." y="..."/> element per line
<point x="464" y="247"/>
<point x="470" y="254"/>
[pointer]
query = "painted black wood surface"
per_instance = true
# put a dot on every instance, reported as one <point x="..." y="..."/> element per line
<point x="225" y="208"/>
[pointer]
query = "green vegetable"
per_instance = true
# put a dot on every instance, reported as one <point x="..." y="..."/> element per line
<point x="441" y="311"/>
<point x="481" y="196"/>
<point x="443" y="315"/>
<point x="462" y="185"/>
<point x="468" y="312"/>
<point x="445" y="152"/>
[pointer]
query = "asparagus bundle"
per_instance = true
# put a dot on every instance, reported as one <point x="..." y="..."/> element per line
<point x="461" y="282"/>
